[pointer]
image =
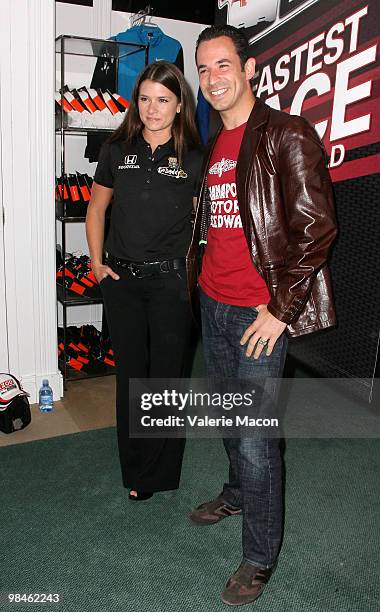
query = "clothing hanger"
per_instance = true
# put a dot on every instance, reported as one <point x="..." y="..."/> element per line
<point x="149" y="21"/>
<point x="143" y="17"/>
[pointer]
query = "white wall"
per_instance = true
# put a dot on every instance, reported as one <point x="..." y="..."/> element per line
<point x="4" y="364"/>
<point x="27" y="168"/>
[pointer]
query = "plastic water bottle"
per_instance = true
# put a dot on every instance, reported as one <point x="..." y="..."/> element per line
<point x="46" y="397"/>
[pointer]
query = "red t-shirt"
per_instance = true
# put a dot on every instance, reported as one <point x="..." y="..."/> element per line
<point x="228" y="274"/>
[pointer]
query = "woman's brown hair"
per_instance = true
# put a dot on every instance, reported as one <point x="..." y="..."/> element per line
<point x="184" y="131"/>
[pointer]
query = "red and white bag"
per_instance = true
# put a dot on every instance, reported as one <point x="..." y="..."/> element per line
<point x="14" y="404"/>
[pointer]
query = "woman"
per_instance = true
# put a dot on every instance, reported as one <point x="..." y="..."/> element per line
<point x="150" y="167"/>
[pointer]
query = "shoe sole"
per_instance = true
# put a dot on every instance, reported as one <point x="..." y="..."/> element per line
<point x="200" y="521"/>
<point x="212" y="522"/>
<point x="242" y="603"/>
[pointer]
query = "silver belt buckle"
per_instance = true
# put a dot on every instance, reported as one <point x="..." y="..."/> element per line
<point x="164" y="266"/>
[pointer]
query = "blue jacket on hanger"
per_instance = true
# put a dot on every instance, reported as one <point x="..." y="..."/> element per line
<point x="161" y="47"/>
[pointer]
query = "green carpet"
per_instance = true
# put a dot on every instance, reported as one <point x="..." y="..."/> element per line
<point x="68" y="528"/>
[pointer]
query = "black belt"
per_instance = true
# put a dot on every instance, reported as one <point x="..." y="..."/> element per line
<point x="141" y="269"/>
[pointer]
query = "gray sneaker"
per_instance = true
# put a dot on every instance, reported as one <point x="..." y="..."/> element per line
<point x="212" y="512"/>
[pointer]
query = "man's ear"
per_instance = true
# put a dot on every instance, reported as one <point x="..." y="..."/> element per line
<point x="249" y="68"/>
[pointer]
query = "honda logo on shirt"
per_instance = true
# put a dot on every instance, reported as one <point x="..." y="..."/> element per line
<point x="129" y="163"/>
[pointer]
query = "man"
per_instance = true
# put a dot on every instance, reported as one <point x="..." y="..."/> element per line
<point x="266" y="221"/>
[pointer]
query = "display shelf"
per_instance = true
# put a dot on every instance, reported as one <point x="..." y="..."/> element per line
<point x="72" y="375"/>
<point x="66" y="46"/>
<point x="69" y="299"/>
<point x="84" y="130"/>
<point x="95" y="47"/>
<point x="65" y="219"/>
<point x="63" y="210"/>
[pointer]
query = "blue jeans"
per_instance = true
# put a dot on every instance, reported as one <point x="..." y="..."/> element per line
<point x="255" y="471"/>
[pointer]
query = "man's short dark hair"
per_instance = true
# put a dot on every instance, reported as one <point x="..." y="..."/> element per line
<point x="237" y="36"/>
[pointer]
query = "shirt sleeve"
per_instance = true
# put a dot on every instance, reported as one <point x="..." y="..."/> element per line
<point x="104" y="173"/>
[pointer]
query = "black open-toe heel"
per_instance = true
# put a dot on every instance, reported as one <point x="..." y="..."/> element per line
<point x="140" y="496"/>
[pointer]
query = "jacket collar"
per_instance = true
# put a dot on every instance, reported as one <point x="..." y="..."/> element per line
<point x="251" y="140"/>
<point x="259" y="114"/>
<point x="150" y="35"/>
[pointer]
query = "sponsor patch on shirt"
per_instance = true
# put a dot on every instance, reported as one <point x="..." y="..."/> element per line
<point x="172" y="171"/>
<point x="129" y="163"/>
<point x="224" y="165"/>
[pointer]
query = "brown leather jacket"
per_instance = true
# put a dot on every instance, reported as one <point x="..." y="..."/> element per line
<point x="287" y="210"/>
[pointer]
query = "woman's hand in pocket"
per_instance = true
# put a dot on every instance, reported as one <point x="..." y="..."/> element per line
<point x="102" y="271"/>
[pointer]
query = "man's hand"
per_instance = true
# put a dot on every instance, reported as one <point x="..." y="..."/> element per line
<point x="263" y="333"/>
<point x="100" y="271"/>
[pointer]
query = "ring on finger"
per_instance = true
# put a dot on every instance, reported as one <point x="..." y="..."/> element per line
<point x="262" y="342"/>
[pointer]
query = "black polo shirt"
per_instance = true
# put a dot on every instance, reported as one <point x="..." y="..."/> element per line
<point x="152" y="205"/>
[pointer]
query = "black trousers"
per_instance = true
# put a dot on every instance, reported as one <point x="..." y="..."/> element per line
<point x="150" y="327"/>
